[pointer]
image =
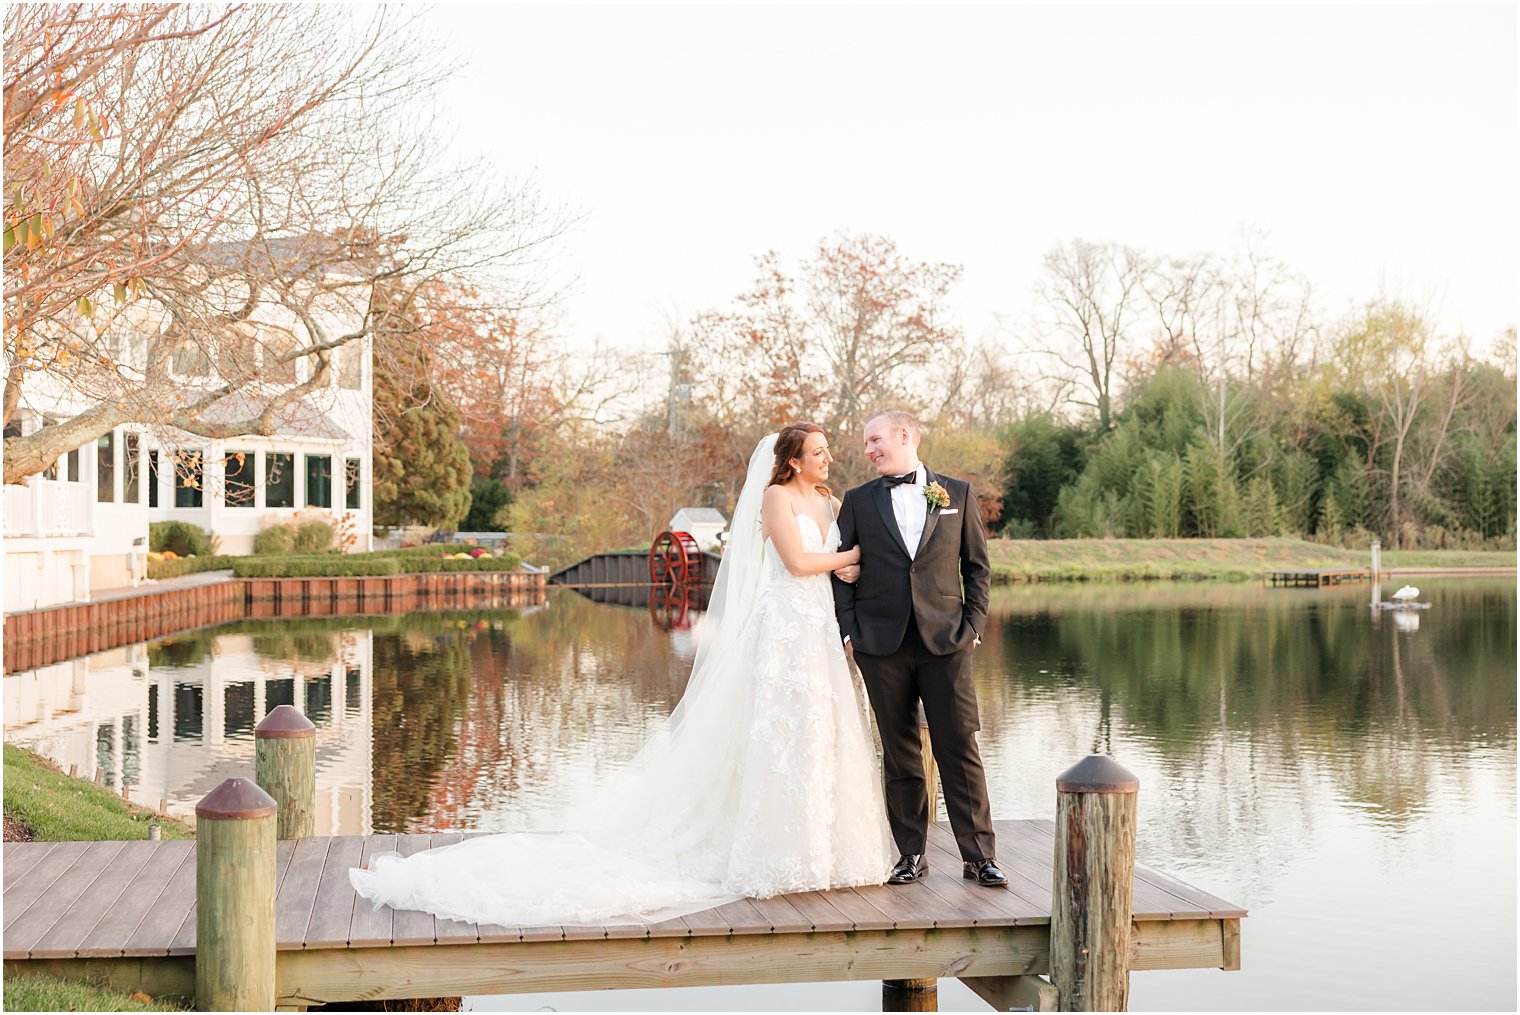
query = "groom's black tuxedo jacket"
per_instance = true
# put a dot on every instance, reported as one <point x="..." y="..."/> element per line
<point x="944" y="588"/>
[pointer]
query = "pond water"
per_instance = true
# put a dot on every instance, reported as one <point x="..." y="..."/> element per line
<point x="1349" y="776"/>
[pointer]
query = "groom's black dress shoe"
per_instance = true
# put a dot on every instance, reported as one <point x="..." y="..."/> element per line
<point x="985" y="872"/>
<point x="910" y="867"/>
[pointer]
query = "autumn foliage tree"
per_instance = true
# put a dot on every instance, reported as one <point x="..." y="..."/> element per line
<point x="857" y="326"/>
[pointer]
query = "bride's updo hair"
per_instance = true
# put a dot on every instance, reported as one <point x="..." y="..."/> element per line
<point x="788" y="446"/>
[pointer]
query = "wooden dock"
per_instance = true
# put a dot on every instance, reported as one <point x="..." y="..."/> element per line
<point x="1316" y="578"/>
<point x="123" y="913"/>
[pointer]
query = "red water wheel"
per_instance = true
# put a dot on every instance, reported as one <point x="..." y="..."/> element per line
<point x="674" y="559"/>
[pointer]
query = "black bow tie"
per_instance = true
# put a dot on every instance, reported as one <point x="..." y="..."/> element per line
<point x="900" y="480"/>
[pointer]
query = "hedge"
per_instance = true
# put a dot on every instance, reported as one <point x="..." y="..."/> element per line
<point x="189" y="565"/>
<point x="351" y="565"/>
<point x="327" y="565"/>
<point x="507" y="562"/>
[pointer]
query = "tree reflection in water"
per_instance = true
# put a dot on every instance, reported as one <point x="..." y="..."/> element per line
<point x="1246" y="711"/>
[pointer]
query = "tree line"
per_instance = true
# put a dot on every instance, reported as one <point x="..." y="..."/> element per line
<point x="1140" y="395"/>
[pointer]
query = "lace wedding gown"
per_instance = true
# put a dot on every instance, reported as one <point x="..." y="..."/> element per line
<point x="764" y="782"/>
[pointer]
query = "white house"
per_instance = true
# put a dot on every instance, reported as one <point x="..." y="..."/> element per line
<point x="704" y="524"/>
<point x="82" y="526"/>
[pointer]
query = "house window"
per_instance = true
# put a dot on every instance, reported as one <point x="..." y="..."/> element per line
<point x="353" y="472"/>
<point x="188" y="479"/>
<point x="73" y="472"/>
<point x="319" y="481"/>
<point x="153" y="478"/>
<point x="279" y="479"/>
<point x="131" y="489"/>
<point x="13" y="429"/>
<point x="238" y="472"/>
<point x="105" y="468"/>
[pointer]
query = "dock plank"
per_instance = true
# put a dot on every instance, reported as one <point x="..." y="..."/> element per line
<point x="297" y="893"/>
<point x="824" y="915"/>
<point x="371" y="926"/>
<point x="117" y="926"/>
<point x="411" y="927"/>
<point x="783" y="917"/>
<point x="79" y="921"/>
<point x="452" y="931"/>
<point x="23" y="934"/>
<point x="858" y="910"/>
<point x="1013" y="900"/>
<point x="20" y="897"/>
<point x="166" y="913"/>
<point x="21" y="857"/>
<point x="332" y="908"/>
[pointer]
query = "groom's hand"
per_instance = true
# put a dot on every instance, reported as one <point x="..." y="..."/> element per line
<point x="849" y="573"/>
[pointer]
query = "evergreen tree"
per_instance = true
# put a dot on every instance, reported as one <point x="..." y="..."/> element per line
<point x="422" y="469"/>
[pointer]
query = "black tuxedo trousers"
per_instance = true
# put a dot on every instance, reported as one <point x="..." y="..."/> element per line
<point x="912" y="621"/>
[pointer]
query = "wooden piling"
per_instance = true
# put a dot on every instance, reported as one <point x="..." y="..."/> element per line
<point x="285" y="767"/>
<point x="234" y="899"/>
<point x="910" y="995"/>
<point x="1091" y="901"/>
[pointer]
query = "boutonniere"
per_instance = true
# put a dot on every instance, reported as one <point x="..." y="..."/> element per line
<point x="937" y="496"/>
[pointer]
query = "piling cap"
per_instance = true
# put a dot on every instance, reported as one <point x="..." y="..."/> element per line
<point x="284" y="722"/>
<point x="235" y="800"/>
<point x="1097" y="773"/>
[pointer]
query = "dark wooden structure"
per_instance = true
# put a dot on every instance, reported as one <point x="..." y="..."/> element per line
<point x="624" y="567"/>
<point x="1316" y="578"/>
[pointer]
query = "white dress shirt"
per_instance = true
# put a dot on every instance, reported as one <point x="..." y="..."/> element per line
<point x="911" y="509"/>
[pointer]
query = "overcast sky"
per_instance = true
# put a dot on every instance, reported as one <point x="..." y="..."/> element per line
<point x="1375" y="144"/>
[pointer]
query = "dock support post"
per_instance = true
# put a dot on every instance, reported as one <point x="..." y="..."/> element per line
<point x="1092" y="900"/>
<point x="910" y="995"/>
<point x="234" y="899"/>
<point x="931" y="771"/>
<point x="285" y="767"/>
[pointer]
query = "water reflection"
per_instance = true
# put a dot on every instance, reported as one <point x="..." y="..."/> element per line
<point x="167" y="722"/>
<point x="1343" y="772"/>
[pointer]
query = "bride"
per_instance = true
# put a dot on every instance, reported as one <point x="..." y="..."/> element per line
<point x="764" y="780"/>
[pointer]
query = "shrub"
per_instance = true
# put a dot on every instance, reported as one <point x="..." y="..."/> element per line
<point x="181" y="538"/>
<point x="313" y="536"/>
<point x="274" y="539"/>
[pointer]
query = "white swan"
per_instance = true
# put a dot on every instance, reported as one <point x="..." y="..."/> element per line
<point x="1407" y="594"/>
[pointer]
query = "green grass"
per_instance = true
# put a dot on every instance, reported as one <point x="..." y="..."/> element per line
<point x="38" y="992"/>
<point x="1016" y="560"/>
<point x="59" y="809"/>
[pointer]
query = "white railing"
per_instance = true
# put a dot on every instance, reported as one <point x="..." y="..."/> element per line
<point x="20" y="510"/>
<point x="47" y="507"/>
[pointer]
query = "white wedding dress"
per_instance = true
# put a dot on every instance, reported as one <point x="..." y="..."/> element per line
<point x="763" y="782"/>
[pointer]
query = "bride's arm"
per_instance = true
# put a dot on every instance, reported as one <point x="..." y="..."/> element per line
<point x="781" y="526"/>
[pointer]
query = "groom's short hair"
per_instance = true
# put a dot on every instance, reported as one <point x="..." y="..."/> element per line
<point x="898" y="419"/>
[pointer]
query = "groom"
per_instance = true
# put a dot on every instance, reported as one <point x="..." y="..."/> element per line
<point x="911" y="621"/>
